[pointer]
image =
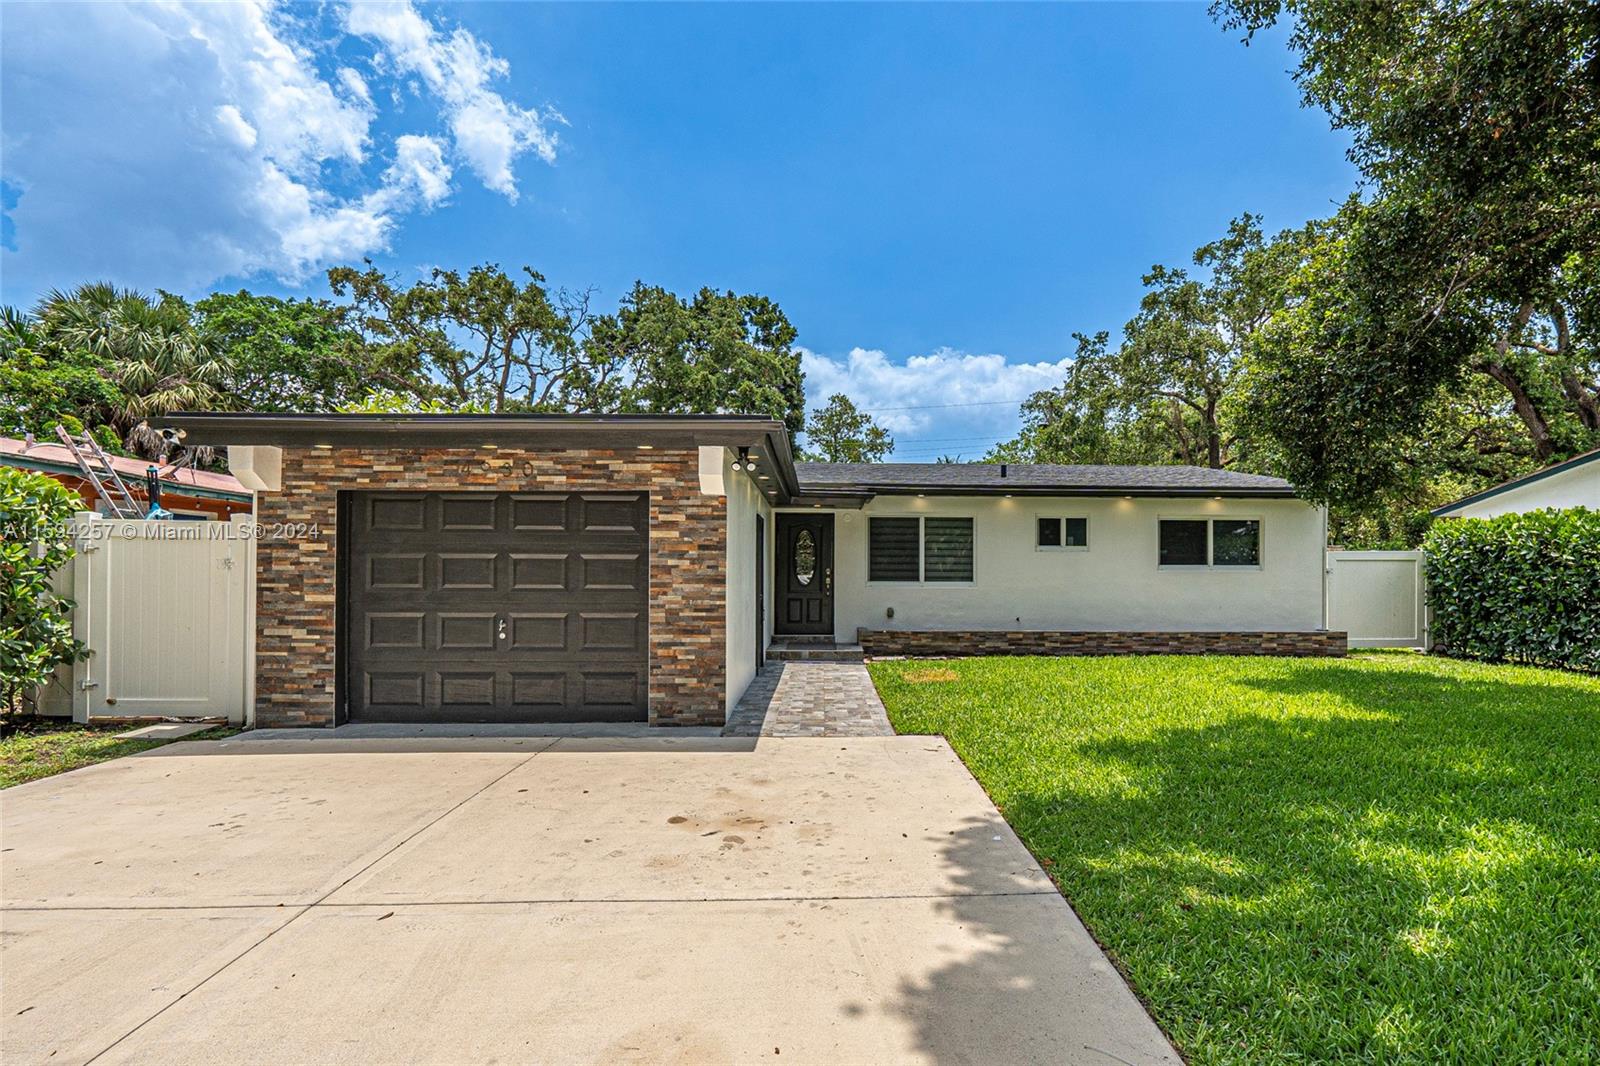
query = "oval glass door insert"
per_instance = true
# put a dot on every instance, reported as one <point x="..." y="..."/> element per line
<point x="805" y="557"/>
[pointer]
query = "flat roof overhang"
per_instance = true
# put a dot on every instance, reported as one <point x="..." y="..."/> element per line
<point x="813" y="492"/>
<point x="767" y="438"/>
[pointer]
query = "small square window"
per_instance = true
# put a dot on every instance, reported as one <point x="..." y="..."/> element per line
<point x="1057" y="534"/>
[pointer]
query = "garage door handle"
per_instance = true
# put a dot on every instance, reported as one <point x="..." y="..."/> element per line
<point x="501" y="631"/>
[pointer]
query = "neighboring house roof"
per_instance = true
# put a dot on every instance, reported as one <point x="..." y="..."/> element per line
<point x="847" y="484"/>
<point x="1518" y="482"/>
<point x="56" y="459"/>
<point x="1034" y="479"/>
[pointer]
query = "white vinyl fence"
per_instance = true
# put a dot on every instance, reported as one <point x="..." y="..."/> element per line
<point x="1379" y="598"/>
<point x="164" y="608"/>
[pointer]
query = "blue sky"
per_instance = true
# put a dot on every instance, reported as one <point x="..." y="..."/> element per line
<point x="938" y="196"/>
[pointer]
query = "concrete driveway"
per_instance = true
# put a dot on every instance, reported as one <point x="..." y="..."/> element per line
<point x="677" y="899"/>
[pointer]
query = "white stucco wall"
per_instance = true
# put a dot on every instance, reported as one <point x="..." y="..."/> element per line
<point x="745" y="502"/>
<point x="1578" y="486"/>
<point x="1115" y="585"/>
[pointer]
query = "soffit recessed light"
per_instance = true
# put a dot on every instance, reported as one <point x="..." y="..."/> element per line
<point x="646" y="447"/>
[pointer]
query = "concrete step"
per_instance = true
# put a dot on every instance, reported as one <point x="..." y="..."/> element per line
<point x="815" y="652"/>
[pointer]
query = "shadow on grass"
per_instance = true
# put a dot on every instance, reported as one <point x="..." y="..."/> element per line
<point x="1363" y="864"/>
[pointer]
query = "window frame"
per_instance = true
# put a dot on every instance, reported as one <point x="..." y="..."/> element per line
<point x="1062" y="518"/>
<point x="1211" y="543"/>
<point x="922" y="554"/>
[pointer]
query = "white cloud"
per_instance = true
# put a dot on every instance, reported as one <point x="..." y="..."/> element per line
<point x="269" y="76"/>
<point x="235" y="127"/>
<point x="314" y="227"/>
<point x="489" y="131"/>
<point x="208" y="140"/>
<point x="418" y="174"/>
<point x="944" y="403"/>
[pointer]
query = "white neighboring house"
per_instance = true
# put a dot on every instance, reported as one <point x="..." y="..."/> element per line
<point x="1574" y="483"/>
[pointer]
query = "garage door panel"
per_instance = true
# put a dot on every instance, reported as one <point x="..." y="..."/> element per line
<point x="545" y="572"/>
<point x="623" y="571"/>
<point x="545" y="632"/>
<point x="466" y="689"/>
<point x="398" y="572"/>
<point x="543" y="689"/>
<point x="475" y="512"/>
<point x="399" y="690"/>
<point x="611" y="514"/>
<point x="540" y="514"/>
<point x="396" y="630"/>
<point x="476" y="571"/>
<point x="609" y="689"/>
<point x="466" y="632"/>
<point x="437" y="578"/>
<point x="391" y="513"/>
<point x="609" y="631"/>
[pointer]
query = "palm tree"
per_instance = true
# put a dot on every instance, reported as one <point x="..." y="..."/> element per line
<point x="160" y="360"/>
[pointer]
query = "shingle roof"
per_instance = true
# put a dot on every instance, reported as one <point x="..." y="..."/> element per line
<point x="1032" y="478"/>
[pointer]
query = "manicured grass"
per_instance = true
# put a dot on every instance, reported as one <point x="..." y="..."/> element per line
<point x="42" y="748"/>
<point x="1385" y="858"/>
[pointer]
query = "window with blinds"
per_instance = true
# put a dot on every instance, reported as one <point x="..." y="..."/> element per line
<point x="892" y="549"/>
<point x="947" y="549"/>
<point x="919" y="549"/>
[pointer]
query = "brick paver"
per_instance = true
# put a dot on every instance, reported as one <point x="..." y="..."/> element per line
<point x="810" y="699"/>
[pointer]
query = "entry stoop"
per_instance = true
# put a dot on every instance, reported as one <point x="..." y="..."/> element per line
<point x="791" y="650"/>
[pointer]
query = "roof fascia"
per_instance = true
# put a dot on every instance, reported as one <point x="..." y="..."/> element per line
<point x="1517" y="483"/>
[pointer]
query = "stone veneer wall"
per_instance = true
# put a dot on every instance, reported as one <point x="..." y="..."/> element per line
<point x="956" y="644"/>
<point x="297" y="577"/>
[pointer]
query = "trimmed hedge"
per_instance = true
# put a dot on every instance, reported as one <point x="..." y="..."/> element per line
<point x="1519" y="587"/>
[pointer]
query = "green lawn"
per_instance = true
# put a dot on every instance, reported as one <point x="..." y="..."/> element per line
<point x="42" y="748"/>
<point x="1389" y="857"/>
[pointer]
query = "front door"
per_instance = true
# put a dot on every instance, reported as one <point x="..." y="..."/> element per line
<point x="805" y="574"/>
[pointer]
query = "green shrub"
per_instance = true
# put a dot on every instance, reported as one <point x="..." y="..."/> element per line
<point x="1520" y="587"/>
<point x="35" y="541"/>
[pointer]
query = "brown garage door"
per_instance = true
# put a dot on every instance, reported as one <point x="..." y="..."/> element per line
<point x="496" y="607"/>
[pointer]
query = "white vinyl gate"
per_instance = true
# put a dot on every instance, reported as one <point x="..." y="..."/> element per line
<point x="164" y="608"/>
<point x="1379" y="598"/>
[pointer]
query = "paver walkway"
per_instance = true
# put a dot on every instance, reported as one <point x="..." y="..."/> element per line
<point x="809" y="699"/>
